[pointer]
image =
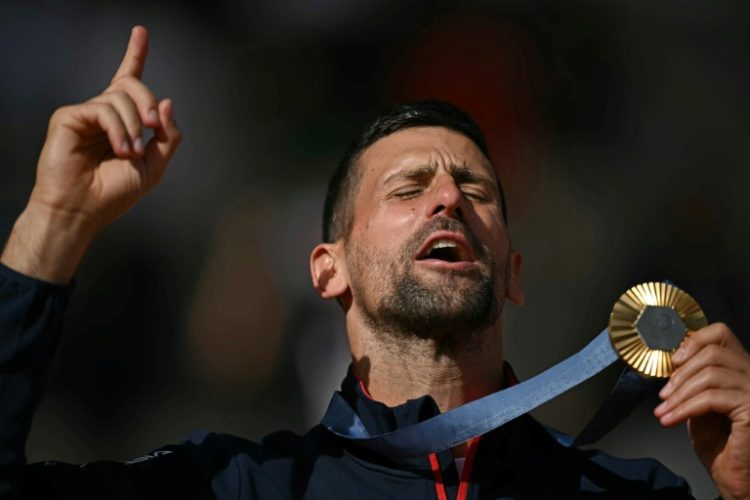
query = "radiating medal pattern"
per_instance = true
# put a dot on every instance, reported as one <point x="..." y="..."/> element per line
<point x="648" y="323"/>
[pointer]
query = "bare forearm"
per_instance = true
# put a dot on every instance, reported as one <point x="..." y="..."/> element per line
<point x="47" y="245"/>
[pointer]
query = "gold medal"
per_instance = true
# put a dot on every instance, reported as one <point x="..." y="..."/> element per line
<point x="648" y="323"/>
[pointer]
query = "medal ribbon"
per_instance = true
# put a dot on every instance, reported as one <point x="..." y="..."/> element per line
<point x="480" y="416"/>
<point x="655" y="313"/>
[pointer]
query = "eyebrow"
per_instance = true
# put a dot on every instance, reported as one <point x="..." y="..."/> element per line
<point x="461" y="173"/>
<point x="411" y="173"/>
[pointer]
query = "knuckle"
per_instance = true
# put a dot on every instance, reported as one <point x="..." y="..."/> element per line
<point x="133" y="87"/>
<point x="58" y="115"/>
<point x="122" y="79"/>
<point x="115" y="82"/>
<point x="133" y="128"/>
<point x="722" y="328"/>
<point x="712" y="395"/>
<point x="149" y="99"/>
<point x="97" y="104"/>
<point x="713" y="352"/>
<point x="117" y="94"/>
<point x="712" y="373"/>
<point x="104" y="107"/>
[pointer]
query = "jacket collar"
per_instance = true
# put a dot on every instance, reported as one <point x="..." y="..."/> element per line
<point x="379" y="418"/>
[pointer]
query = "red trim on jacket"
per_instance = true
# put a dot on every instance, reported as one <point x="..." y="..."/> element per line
<point x="463" y="487"/>
<point x="439" y="485"/>
<point x="362" y="386"/>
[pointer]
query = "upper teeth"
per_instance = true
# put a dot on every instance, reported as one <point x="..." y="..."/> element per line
<point x="443" y="244"/>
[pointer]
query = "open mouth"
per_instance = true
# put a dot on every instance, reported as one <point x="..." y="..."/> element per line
<point x="446" y="249"/>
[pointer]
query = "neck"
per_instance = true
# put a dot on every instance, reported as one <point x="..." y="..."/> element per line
<point x="395" y="372"/>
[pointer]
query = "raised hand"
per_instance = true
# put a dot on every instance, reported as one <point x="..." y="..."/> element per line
<point x="710" y="390"/>
<point x="94" y="166"/>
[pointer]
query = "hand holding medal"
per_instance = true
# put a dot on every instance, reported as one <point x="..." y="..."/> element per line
<point x="660" y="331"/>
<point x="710" y="390"/>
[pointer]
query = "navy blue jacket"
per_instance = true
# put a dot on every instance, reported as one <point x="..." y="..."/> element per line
<point x="522" y="459"/>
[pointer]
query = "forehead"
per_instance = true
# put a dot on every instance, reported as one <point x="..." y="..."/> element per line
<point x="418" y="146"/>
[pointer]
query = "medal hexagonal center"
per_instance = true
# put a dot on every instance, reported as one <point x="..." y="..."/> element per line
<point x="660" y="327"/>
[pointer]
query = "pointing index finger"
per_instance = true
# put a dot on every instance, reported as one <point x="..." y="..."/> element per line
<point x="135" y="56"/>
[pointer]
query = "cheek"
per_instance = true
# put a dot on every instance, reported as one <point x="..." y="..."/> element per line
<point x="500" y="251"/>
<point x="491" y="231"/>
<point x="387" y="238"/>
<point x="388" y="223"/>
<point x="487" y="226"/>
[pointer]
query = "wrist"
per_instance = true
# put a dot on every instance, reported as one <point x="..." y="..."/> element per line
<point x="47" y="244"/>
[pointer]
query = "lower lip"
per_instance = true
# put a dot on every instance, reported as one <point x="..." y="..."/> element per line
<point x="450" y="266"/>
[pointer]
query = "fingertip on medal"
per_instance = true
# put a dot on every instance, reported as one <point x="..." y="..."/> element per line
<point x="680" y="355"/>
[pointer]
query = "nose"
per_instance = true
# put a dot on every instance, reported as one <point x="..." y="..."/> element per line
<point x="447" y="199"/>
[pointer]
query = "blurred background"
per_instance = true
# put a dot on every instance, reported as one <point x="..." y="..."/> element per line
<point x="618" y="129"/>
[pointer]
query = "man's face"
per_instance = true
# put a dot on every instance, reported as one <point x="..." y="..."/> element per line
<point x="428" y="253"/>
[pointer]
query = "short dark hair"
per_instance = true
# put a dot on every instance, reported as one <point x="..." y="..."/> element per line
<point x="338" y="211"/>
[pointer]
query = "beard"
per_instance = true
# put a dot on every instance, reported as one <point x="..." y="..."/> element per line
<point x="450" y="307"/>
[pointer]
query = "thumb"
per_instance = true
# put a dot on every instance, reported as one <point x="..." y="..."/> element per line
<point x="163" y="144"/>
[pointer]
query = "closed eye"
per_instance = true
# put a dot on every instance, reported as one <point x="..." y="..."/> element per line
<point x="475" y="194"/>
<point x="407" y="192"/>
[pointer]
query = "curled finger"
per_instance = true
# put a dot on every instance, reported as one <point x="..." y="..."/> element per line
<point x="709" y="355"/>
<point x="714" y="334"/>
<point x="710" y="377"/>
<point x="721" y="401"/>
<point x="92" y="118"/>
<point x="129" y="115"/>
<point x="145" y="100"/>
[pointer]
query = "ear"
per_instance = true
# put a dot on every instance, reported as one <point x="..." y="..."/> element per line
<point x="515" y="290"/>
<point x="328" y="270"/>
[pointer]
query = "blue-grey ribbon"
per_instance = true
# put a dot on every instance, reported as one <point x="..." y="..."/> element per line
<point x="460" y="424"/>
